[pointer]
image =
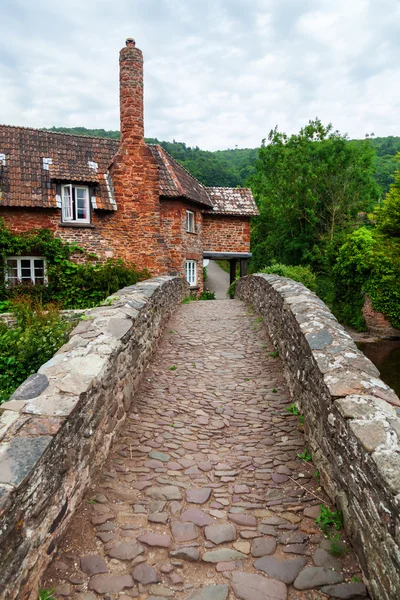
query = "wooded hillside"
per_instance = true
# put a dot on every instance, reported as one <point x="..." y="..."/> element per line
<point x="233" y="167"/>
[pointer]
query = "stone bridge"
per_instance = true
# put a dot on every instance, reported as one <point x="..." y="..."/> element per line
<point x="179" y="477"/>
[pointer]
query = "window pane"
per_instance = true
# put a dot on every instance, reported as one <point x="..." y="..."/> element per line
<point x="12" y="268"/>
<point x="67" y="203"/>
<point x="39" y="271"/>
<point x="81" y="203"/>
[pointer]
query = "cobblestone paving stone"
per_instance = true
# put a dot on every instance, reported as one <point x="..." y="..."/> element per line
<point x="203" y="495"/>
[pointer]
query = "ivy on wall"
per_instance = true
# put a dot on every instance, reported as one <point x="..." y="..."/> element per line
<point x="71" y="284"/>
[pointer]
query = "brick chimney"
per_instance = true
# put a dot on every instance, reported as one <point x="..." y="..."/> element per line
<point x="131" y="94"/>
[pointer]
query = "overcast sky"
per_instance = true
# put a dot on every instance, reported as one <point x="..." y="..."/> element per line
<point x="218" y="73"/>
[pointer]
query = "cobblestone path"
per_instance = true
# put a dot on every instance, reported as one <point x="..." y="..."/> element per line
<point x="203" y="496"/>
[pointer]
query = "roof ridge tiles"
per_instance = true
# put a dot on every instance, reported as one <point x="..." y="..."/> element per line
<point x="61" y="133"/>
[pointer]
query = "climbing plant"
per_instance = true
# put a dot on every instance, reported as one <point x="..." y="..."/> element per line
<point x="76" y="278"/>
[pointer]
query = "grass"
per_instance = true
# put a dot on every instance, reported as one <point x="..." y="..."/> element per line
<point x="329" y="519"/>
<point x="274" y="354"/>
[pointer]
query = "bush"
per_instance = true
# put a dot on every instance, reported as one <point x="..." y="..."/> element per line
<point x="70" y="284"/>
<point x="231" y="290"/>
<point x="368" y="263"/>
<point x="37" y="336"/>
<point x="301" y="274"/>
<point x="207" y="295"/>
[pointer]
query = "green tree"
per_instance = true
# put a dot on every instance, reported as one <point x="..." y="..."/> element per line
<point x="310" y="188"/>
<point x="388" y="215"/>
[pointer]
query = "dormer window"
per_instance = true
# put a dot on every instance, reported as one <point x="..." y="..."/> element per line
<point x="75" y="203"/>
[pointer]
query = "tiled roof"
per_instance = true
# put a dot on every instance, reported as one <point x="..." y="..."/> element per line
<point x="175" y="181"/>
<point x="232" y="201"/>
<point x="31" y="161"/>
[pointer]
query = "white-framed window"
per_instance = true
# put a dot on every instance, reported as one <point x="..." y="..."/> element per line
<point x="25" y="269"/>
<point x="75" y="203"/>
<point x="191" y="272"/>
<point x="190" y="221"/>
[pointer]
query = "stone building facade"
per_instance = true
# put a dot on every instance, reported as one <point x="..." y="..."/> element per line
<point x="126" y="199"/>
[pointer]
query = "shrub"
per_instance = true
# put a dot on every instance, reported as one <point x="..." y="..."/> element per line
<point x="70" y="284"/>
<point x="37" y="335"/>
<point x="207" y="295"/>
<point x="368" y="263"/>
<point x="231" y="290"/>
<point x="302" y="274"/>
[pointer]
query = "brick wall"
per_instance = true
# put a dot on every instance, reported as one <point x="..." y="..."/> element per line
<point x="377" y="323"/>
<point x="181" y="245"/>
<point x="225" y="233"/>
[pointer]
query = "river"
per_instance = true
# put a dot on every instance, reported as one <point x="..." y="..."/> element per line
<point x="385" y="355"/>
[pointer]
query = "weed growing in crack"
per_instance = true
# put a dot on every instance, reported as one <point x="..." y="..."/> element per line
<point x="329" y="519"/>
<point x="292" y="409"/>
<point x="46" y="594"/>
<point x="305" y="455"/>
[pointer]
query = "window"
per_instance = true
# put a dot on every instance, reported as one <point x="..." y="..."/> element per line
<point x="75" y="204"/>
<point x="191" y="272"/>
<point x="190" y="221"/>
<point x="25" y="269"/>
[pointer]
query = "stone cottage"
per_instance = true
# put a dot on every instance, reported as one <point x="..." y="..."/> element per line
<point x="126" y="199"/>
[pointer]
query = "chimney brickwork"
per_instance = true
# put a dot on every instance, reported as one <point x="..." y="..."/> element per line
<point x="135" y="175"/>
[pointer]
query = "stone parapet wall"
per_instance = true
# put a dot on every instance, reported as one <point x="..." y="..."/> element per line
<point x="56" y="430"/>
<point x="351" y="420"/>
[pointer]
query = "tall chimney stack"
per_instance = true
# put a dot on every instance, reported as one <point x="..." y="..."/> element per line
<point x="131" y="94"/>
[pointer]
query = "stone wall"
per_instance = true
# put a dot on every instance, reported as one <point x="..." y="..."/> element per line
<point x="226" y="233"/>
<point x="351" y="420"/>
<point x="56" y="430"/>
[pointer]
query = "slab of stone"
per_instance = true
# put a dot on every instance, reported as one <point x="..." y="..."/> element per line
<point x="245" y="520"/>
<point x="248" y="586"/>
<point x="118" y="327"/>
<point x="145" y="574"/>
<point x="14" y="405"/>
<point x="32" y="387"/>
<point x="263" y="546"/>
<point x="155" y="539"/>
<point x="220" y="534"/>
<point x="319" y="340"/>
<point x="313" y="577"/>
<point x="313" y="512"/>
<point x="322" y="558"/>
<point x="110" y="584"/>
<point x="283" y="569"/>
<point x="92" y="564"/>
<point x="184" y="532"/>
<point x="196" y="516"/>
<point x="222" y="555"/>
<point x="296" y="549"/>
<point x="19" y="456"/>
<point x="346" y="591"/>
<point x="160" y="592"/>
<point x="242" y="547"/>
<point x="189" y="553"/>
<point x="156" y="517"/>
<point x="161" y="456"/>
<point x="210" y="592"/>
<point x="198" y="496"/>
<point x="126" y="551"/>
<point x="167" y="492"/>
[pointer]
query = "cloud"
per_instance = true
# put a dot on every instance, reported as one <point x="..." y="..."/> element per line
<point x="218" y="73"/>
